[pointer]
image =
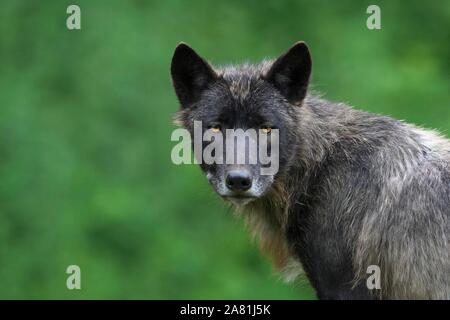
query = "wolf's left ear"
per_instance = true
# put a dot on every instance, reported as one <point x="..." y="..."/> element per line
<point x="290" y="72"/>
<point x="191" y="74"/>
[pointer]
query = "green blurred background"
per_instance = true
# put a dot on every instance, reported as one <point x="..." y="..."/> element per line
<point x="85" y="123"/>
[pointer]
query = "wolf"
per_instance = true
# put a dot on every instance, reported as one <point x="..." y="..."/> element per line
<point x="353" y="189"/>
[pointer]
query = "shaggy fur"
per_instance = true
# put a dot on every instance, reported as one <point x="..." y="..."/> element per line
<point x="354" y="189"/>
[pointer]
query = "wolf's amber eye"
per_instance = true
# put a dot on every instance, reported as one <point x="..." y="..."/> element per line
<point x="266" y="130"/>
<point x="215" y="128"/>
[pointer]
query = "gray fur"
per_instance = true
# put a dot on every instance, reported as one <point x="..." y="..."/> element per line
<point x="396" y="214"/>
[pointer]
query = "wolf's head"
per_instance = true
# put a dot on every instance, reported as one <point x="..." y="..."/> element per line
<point x="262" y="97"/>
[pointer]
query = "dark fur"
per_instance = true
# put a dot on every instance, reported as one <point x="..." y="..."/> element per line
<point x="354" y="189"/>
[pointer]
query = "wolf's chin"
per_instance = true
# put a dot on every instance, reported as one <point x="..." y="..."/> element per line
<point x="239" y="201"/>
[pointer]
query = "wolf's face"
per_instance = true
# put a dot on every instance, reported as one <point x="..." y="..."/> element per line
<point x="262" y="97"/>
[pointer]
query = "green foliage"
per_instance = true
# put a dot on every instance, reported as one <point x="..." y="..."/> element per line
<point x="85" y="123"/>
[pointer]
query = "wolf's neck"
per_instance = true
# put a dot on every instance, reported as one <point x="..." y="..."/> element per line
<point x="321" y="125"/>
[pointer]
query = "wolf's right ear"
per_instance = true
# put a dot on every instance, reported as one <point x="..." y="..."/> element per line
<point x="191" y="74"/>
<point x="290" y="72"/>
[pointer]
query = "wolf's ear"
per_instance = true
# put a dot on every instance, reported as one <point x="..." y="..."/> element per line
<point x="191" y="74"/>
<point x="290" y="72"/>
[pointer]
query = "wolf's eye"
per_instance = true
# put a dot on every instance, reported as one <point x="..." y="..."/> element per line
<point x="215" y="127"/>
<point x="266" y="129"/>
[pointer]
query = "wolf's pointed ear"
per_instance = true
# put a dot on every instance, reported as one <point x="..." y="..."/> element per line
<point x="191" y="74"/>
<point x="290" y="72"/>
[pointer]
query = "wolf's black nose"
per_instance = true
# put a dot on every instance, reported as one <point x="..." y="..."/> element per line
<point x="238" y="180"/>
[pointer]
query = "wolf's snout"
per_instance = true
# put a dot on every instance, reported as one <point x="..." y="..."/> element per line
<point x="238" y="180"/>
